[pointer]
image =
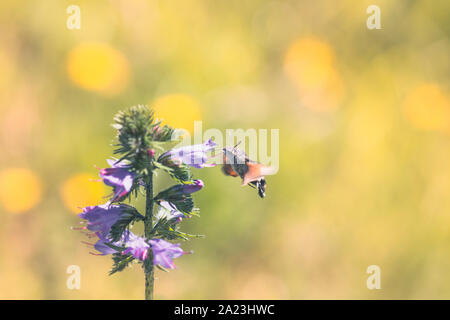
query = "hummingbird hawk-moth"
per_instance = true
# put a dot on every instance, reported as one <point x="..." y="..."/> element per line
<point x="236" y="163"/>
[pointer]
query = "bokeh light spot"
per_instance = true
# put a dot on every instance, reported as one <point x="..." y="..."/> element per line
<point x="98" y="67"/>
<point x="178" y="110"/>
<point x="428" y="108"/>
<point x="82" y="190"/>
<point x="310" y="64"/>
<point x="20" y="190"/>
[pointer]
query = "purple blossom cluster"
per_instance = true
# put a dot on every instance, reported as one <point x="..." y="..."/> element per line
<point x="99" y="220"/>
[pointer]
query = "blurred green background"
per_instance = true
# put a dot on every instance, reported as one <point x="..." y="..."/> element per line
<point x="364" y="121"/>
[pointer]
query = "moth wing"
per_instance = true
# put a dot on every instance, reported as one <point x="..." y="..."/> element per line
<point x="228" y="170"/>
<point x="256" y="172"/>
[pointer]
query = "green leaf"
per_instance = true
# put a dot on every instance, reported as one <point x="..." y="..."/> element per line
<point x="174" y="194"/>
<point x="129" y="216"/>
<point x="180" y="172"/>
<point x="120" y="262"/>
<point x="162" y="268"/>
<point x="184" y="203"/>
<point x="168" y="229"/>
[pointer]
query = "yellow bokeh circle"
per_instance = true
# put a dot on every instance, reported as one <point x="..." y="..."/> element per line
<point x="20" y="190"/>
<point x="428" y="108"/>
<point x="309" y="62"/>
<point x="81" y="190"/>
<point x="310" y="65"/>
<point x="178" y="111"/>
<point x="98" y="67"/>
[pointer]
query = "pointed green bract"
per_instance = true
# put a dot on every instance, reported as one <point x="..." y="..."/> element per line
<point x="137" y="133"/>
<point x="130" y="215"/>
<point x="120" y="262"/>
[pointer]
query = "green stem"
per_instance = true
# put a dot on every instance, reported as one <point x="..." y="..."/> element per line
<point x="148" y="225"/>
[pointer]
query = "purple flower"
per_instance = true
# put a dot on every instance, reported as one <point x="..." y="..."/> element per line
<point x="102" y="247"/>
<point x="179" y="195"/>
<point x="194" y="156"/>
<point x="119" y="177"/>
<point x="136" y="246"/>
<point x="133" y="244"/>
<point x="180" y="190"/>
<point x="169" y="211"/>
<point x="101" y="218"/>
<point x="191" y="187"/>
<point x="164" y="252"/>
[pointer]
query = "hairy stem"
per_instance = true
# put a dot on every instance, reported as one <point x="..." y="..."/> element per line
<point x="148" y="225"/>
